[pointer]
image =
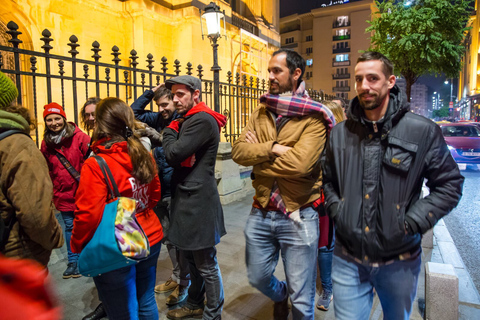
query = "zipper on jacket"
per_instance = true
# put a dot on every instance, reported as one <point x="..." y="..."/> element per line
<point x="375" y="128"/>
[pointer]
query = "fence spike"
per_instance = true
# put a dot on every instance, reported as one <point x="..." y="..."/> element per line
<point x="72" y="44"/>
<point x="46" y="39"/>
<point x="164" y="64"/>
<point x="237" y="78"/>
<point x="134" y="58"/>
<point x="96" y="49"/>
<point x="177" y="66"/>
<point x="61" y="65"/>
<point x="229" y="77"/>
<point x="150" y="61"/>
<point x="14" y="33"/>
<point x="200" y="71"/>
<point x="116" y="53"/>
<point x="189" y="68"/>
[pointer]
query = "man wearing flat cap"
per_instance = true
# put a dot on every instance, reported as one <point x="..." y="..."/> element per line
<point x="190" y="144"/>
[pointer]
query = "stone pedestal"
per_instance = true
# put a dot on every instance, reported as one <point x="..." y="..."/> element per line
<point x="227" y="173"/>
<point x="441" y="292"/>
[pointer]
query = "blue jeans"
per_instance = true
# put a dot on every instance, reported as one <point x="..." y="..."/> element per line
<point x="206" y="279"/>
<point x="127" y="293"/>
<point x="268" y="233"/>
<point x="395" y="284"/>
<point x="68" y="218"/>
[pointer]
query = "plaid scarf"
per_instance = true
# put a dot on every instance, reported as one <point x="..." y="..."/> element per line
<point x="297" y="104"/>
<point x="286" y="105"/>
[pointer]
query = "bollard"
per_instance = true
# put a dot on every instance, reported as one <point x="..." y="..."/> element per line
<point x="441" y="292"/>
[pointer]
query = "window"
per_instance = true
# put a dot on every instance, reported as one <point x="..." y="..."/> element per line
<point x="342" y="21"/>
<point x="309" y="74"/>
<point x="309" y="62"/>
<point x="342" y="32"/>
<point x="289" y="40"/>
<point x="309" y="50"/>
<point x="309" y="38"/>
<point x="341" y="57"/>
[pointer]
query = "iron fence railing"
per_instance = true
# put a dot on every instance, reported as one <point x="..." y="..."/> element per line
<point x="43" y="77"/>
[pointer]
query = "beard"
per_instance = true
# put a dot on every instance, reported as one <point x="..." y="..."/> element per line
<point x="279" y="89"/>
<point x="370" y="105"/>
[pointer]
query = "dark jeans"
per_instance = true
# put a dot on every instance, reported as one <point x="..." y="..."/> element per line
<point x="205" y="278"/>
<point x="325" y="257"/>
<point x="127" y="293"/>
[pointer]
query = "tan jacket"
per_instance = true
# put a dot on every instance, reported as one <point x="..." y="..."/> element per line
<point x="26" y="190"/>
<point x="298" y="171"/>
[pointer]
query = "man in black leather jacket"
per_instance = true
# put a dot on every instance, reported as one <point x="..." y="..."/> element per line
<point x="374" y="167"/>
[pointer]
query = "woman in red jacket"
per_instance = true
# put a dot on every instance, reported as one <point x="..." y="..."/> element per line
<point x="65" y="148"/>
<point x="126" y="293"/>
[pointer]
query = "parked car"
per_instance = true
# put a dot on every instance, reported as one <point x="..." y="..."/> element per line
<point x="463" y="140"/>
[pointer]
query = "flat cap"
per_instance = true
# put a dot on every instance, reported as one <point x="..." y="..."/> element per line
<point x="191" y="82"/>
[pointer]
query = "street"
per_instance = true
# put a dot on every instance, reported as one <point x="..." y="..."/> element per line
<point x="463" y="223"/>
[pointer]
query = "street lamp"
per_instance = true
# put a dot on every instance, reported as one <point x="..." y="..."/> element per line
<point x="212" y="16"/>
<point x="450" y="105"/>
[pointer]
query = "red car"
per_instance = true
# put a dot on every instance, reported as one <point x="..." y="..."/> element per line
<point x="463" y="140"/>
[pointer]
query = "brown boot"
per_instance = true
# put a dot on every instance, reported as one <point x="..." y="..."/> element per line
<point x="168" y="286"/>
<point x="178" y="295"/>
<point x="185" y="312"/>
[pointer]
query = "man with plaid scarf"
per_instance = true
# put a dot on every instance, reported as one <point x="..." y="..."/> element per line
<point x="283" y="141"/>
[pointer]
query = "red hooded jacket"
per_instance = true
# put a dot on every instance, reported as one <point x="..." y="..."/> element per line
<point x="92" y="195"/>
<point x="75" y="149"/>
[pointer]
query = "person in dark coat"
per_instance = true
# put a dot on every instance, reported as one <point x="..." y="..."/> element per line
<point x="163" y="98"/>
<point x="190" y="144"/>
<point x="375" y="165"/>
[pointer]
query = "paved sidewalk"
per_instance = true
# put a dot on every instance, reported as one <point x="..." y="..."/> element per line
<point x="242" y="302"/>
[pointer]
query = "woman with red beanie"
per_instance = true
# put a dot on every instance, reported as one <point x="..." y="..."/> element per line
<point x="65" y="148"/>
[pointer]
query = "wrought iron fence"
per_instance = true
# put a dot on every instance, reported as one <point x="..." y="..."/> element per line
<point x="43" y="77"/>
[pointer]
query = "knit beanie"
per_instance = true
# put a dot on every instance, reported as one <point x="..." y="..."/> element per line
<point x="53" y="108"/>
<point x="8" y="91"/>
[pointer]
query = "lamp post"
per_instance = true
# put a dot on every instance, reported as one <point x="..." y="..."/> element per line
<point x="450" y="105"/>
<point x="212" y="16"/>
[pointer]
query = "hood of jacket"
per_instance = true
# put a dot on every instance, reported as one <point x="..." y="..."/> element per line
<point x="117" y="151"/>
<point x="9" y="121"/>
<point x="202" y="107"/>
<point x="397" y="107"/>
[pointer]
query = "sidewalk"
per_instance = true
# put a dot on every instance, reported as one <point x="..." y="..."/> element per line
<point x="242" y="302"/>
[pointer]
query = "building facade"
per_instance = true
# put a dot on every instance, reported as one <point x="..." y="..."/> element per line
<point x="330" y="38"/>
<point x="418" y="97"/>
<point x="162" y="28"/>
<point x="468" y="107"/>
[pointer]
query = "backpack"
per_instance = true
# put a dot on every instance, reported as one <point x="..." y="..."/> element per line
<point x="5" y="228"/>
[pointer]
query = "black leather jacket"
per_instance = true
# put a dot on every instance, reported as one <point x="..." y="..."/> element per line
<point x="373" y="180"/>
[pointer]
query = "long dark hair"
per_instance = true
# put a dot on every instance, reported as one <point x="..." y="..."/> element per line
<point x="114" y="120"/>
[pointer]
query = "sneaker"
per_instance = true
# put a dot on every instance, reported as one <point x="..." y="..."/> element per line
<point x="178" y="295"/>
<point x="185" y="312"/>
<point x="72" y="271"/>
<point x="280" y="310"/>
<point x="168" y="286"/>
<point x="324" y="301"/>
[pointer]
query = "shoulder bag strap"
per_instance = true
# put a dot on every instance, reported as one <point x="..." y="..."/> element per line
<point x="63" y="160"/>
<point x="108" y="177"/>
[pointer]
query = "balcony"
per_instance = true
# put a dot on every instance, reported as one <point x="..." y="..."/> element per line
<point x="344" y="37"/>
<point x="341" y="89"/>
<point x="341" y="76"/>
<point x="341" y="24"/>
<point x="341" y="50"/>
<point x="341" y="63"/>
<point x="290" y="45"/>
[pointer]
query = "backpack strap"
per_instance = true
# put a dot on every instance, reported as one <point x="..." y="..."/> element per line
<point x="8" y="133"/>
